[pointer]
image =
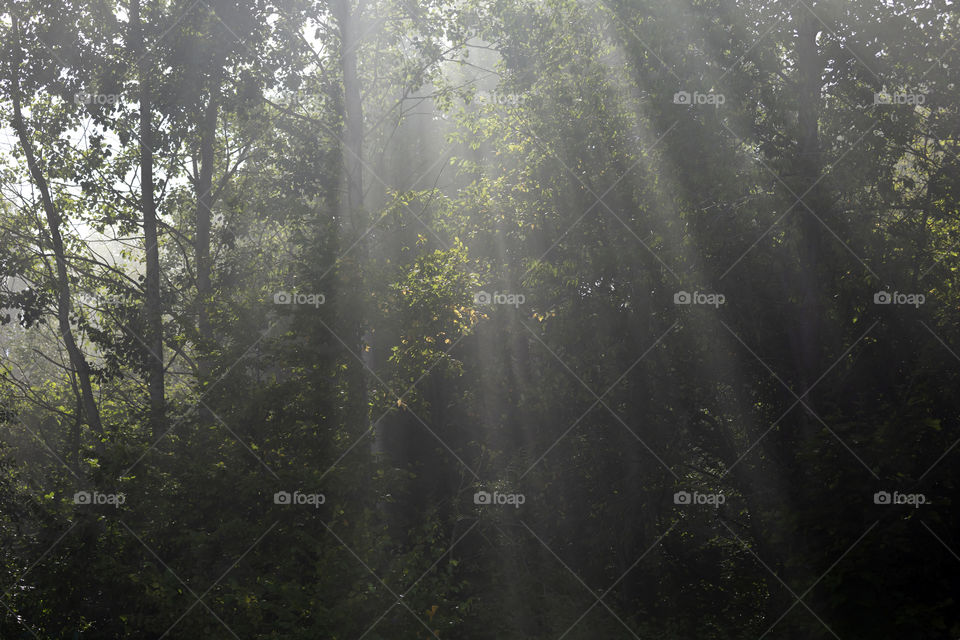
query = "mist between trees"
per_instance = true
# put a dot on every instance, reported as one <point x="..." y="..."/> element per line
<point x="553" y="320"/>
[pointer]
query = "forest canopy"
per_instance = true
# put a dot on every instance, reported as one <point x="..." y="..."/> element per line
<point x="479" y="319"/>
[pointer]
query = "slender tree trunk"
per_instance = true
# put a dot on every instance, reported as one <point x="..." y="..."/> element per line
<point x="353" y="215"/>
<point x="78" y="362"/>
<point x="208" y="132"/>
<point x="353" y="112"/>
<point x="154" y="337"/>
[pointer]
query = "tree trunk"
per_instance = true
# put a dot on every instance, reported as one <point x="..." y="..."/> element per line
<point x="77" y="360"/>
<point x="202" y="239"/>
<point x="353" y="216"/>
<point x="154" y="337"/>
<point x="353" y="113"/>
